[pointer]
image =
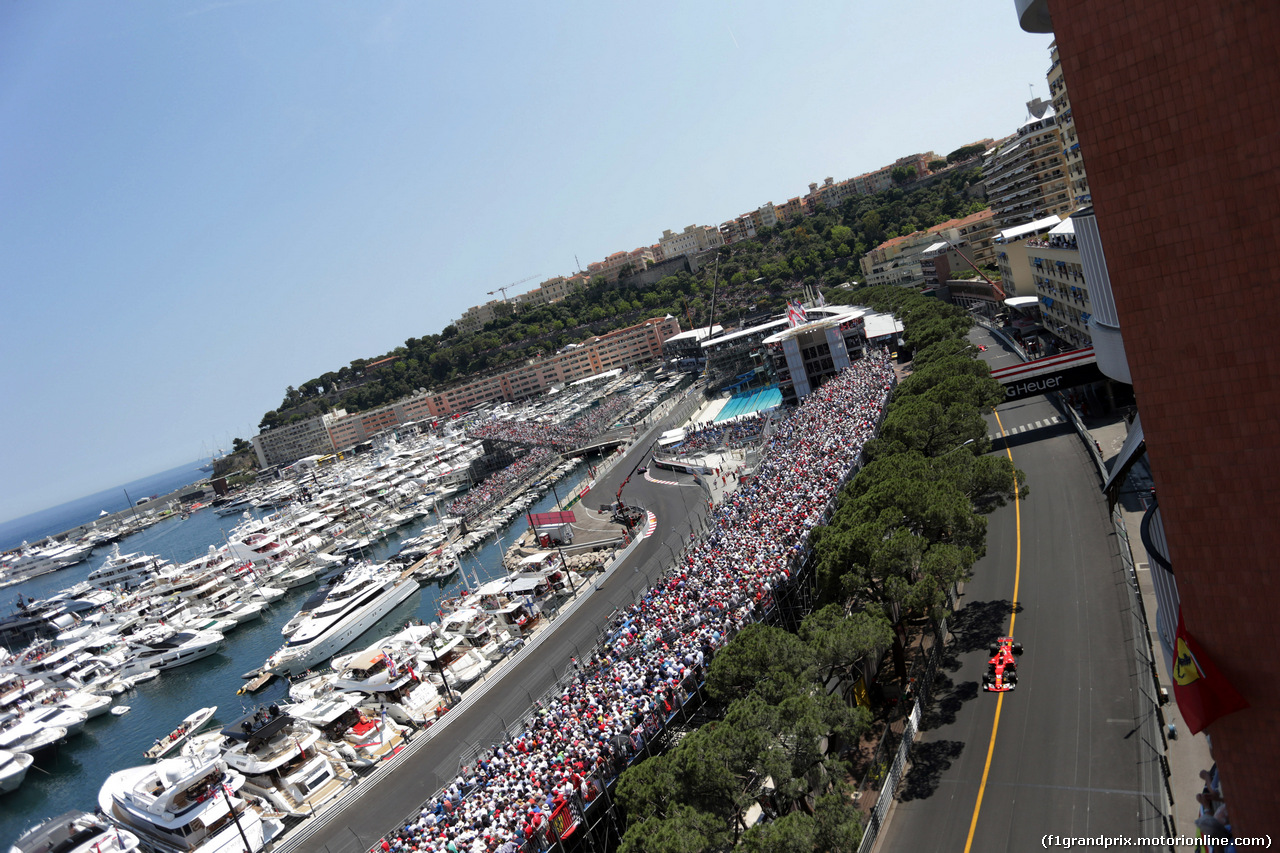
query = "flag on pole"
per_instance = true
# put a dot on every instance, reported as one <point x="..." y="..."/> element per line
<point x="795" y="314"/>
<point x="1203" y="693"/>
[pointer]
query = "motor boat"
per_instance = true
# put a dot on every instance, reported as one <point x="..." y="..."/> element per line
<point x="126" y="571"/>
<point x="187" y="803"/>
<point x="191" y="724"/>
<point x="13" y="769"/>
<point x="164" y="648"/>
<point x="76" y="832"/>
<point x="365" y="594"/>
<point x="372" y="738"/>
<point x="90" y="704"/>
<point x="24" y="736"/>
<point x="285" y="761"/>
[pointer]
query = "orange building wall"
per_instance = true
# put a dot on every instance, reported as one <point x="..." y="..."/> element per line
<point x="1175" y="108"/>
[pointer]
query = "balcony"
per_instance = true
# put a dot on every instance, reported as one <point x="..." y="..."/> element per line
<point x="1033" y="15"/>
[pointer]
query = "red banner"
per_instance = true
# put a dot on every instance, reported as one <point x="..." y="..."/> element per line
<point x="563" y="821"/>
<point x="1203" y="693"/>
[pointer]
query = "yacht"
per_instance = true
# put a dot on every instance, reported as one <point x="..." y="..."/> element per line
<point x="285" y="761"/>
<point x="164" y="648"/>
<point x="372" y="737"/>
<point x="13" y="769"/>
<point x="364" y="595"/>
<point x="187" y="803"/>
<point x="126" y="570"/>
<point x="76" y="832"/>
<point x="23" y="736"/>
<point x="408" y="696"/>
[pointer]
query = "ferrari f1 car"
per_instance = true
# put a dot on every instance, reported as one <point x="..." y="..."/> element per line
<point x="1002" y="670"/>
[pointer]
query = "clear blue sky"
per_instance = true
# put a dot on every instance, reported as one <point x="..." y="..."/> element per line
<point x="206" y="203"/>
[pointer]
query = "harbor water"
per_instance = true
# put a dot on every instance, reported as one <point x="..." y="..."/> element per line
<point x="109" y="743"/>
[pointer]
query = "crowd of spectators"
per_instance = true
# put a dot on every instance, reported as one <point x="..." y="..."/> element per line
<point x="658" y="647"/>
<point x="503" y="481"/>
<point x="730" y="436"/>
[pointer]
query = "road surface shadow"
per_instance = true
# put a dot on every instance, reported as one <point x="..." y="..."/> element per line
<point x="929" y="761"/>
<point x="976" y="627"/>
<point x="948" y="697"/>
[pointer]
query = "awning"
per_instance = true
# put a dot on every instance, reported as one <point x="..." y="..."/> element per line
<point x="525" y="585"/>
<point x="1133" y="449"/>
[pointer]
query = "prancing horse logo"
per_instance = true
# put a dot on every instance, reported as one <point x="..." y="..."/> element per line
<point x="1185" y="667"/>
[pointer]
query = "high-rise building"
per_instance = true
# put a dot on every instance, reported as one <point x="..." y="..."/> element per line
<point x="1077" y="180"/>
<point x="1026" y="177"/>
<point x="1172" y="103"/>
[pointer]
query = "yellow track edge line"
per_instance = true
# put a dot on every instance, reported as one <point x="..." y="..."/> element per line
<point x="1013" y="615"/>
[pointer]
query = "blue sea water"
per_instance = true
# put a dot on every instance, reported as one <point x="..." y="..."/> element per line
<point x="57" y="519"/>
<point x="72" y="778"/>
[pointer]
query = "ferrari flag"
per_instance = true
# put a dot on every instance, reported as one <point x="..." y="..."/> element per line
<point x="1203" y="693"/>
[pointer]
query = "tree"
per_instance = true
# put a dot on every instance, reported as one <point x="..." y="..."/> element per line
<point x="965" y="152"/>
<point x="840" y="642"/>
<point x="762" y="660"/>
<point x="239" y="445"/>
<point x="793" y="832"/>
<point x="937" y="165"/>
<point x="686" y="830"/>
<point x="903" y="174"/>
<point x="838" y="821"/>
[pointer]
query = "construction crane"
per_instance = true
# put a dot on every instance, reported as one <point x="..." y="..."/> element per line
<point x="995" y="285"/>
<point x="505" y="287"/>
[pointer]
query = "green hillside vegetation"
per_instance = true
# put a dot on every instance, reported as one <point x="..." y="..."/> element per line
<point x="754" y="276"/>
<point x="905" y="529"/>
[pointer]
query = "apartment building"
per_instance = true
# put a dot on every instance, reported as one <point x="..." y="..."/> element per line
<point x="475" y="317"/>
<point x="692" y="240"/>
<point x="899" y="259"/>
<point x="793" y="208"/>
<point x="612" y="267"/>
<point x="1027" y="177"/>
<point x="285" y="444"/>
<point x="1077" y="179"/>
<point x="738" y="229"/>
<point x="829" y="194"/>
<point x="1013" y="263"/>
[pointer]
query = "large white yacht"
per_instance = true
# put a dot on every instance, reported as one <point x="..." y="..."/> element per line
<point x="126" y="570"/>
<point x="285" y="761"/>
<point x="164" y="648"/>
<point x="75" y="832"/>
<point x="364" y="595"/>
<point x="13" y="769"/>
<point x="188" y="803"/>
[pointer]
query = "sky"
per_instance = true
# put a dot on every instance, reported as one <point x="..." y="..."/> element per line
<point x="204" y="204"/>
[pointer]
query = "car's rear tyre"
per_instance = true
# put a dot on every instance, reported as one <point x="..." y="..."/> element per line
<point x="1017" y="648"/>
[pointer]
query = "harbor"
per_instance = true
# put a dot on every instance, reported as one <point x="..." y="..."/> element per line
<point x="465" y="551"/>
<point x="71" y="779"/>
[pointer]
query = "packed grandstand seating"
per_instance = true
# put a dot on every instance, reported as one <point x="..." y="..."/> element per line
<point x="730" y="436"/>
<point x="658" y="648"/>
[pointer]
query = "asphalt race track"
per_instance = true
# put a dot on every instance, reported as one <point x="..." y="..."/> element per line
<point x="353" y="827"/>
<point x="1065" y="756"/>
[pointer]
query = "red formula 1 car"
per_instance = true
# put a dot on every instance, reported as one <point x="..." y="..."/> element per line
<point x="1002" y="670"/>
